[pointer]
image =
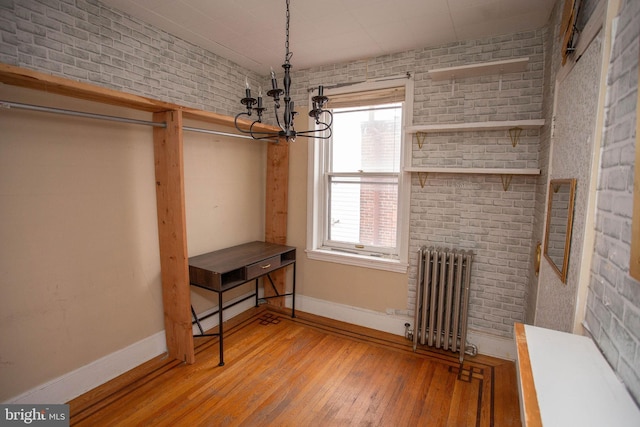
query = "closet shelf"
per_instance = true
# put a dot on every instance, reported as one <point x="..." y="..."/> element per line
<point x="475" y="126"/>
<point x="480" y="69"/>
<point x="476" y="171"/>
<point x="31" y="79"/>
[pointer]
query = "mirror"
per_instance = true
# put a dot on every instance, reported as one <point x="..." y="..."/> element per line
<point x="559" y="219"/>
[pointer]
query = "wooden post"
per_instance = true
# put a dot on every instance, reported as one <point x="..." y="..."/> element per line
<point x="277" y="199"/>
<point x="172" y="233"/>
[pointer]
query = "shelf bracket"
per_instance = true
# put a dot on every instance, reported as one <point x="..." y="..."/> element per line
<point x="514" y="134"/>
<point x="506" y="181"/>
<point x="422" y="177"/>
<point x="421" y="136"/>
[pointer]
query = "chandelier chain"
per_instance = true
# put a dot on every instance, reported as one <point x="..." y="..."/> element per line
<point x="287" y="55"/>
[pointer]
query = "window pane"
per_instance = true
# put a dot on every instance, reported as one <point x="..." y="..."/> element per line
<point x="363" y="210"/>
<point x="367" y="139"/>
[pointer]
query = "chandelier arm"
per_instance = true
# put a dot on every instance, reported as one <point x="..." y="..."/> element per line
<point x="276" y="107"/>
<point x="308" y="134"/>
<point x="235" y="122"/>
<point x="251" y="131"/>
<point x="267" y="134"/>
<point x="330" y="116"/>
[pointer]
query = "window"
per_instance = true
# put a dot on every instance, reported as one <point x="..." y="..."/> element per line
<point x="359" y="195"/>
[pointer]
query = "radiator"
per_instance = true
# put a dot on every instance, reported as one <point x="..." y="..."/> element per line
<point x="442" y="298"/>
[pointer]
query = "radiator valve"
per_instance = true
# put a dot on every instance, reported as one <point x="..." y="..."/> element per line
<point x="408" y="333"/>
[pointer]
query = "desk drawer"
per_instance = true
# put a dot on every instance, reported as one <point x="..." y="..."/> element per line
<point x="263" y="267"/>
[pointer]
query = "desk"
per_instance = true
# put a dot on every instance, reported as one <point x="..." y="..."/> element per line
<point x="223" y="270"/>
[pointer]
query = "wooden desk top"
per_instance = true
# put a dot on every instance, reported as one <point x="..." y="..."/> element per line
<point x="230" y="267"/>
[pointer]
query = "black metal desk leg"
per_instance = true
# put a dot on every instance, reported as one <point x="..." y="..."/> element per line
<point x="257" y="293"/>
<point x="220" y="328"/>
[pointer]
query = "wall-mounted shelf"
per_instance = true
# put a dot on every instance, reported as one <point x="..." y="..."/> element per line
<point x="476" y="171"/>
<point x="480" y="69"/>
<point x="475" y="126"/>
<point x="505" y="174"/>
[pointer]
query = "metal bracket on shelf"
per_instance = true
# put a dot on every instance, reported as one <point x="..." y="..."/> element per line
<point x="421" y="136"/>
<point x="422" y="176"/>
<point x="514" y="134"/>
<point x="506" y="181"/>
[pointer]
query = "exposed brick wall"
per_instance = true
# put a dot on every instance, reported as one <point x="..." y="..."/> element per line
<point x="468" y="211"/>
<point x="378" y="203"/>
<point x="613" y="305"/>
<point x="87" y="41"/>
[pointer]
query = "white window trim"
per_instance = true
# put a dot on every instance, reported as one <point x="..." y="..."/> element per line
<point x="315" y="198"/>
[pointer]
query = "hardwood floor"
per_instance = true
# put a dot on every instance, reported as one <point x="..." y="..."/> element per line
<point x="307" y="371"/>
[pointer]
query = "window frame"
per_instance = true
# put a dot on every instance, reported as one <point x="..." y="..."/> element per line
<point x="317" y="191"/>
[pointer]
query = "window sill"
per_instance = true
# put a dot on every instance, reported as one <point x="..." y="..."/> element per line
<point x="377" y="263"/>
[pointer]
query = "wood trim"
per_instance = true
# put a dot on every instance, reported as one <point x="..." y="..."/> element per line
<point x="528" y="394"/>
<point x="172" y="233"/>
<point x="634" y="262"/>
<point x="221" y="119"/>
<point x="566" y="27"/>
<point x="47" y="83"/>
<point x="276" y="208"/>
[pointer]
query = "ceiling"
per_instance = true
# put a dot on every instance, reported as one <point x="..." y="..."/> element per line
<point x="252" y="32"/>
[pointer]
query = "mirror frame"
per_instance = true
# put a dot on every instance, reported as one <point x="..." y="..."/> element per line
<point x="561" y="270"/>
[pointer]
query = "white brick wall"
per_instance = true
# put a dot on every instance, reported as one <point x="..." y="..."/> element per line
<point x="613" y="305"/>
<point x="468" y="211"/>
<point x="87" y="41"/>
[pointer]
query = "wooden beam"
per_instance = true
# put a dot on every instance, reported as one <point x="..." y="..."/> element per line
<point x="172" y="233"/>
<point x="276" y="209"/>
<point x="30" y="79"/>
<point x="220" y="119"/>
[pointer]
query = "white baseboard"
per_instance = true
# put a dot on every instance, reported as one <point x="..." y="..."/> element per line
<point x="392" y="324"/>
<point x="490" y="345"/>
<point x="85" y="378"/>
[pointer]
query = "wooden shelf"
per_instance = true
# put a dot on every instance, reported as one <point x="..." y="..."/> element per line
<point x="480" y="69"/>
<point x="476" y="171"/>
<point x="469" y="127"/>
<point x="23" y="77"/>
<point x="505" y="174"/>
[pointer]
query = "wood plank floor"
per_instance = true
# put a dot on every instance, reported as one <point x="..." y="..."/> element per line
<point x="307" y="371"/>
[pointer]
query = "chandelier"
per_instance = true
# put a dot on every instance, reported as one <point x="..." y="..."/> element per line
<point x="287" y="129"/>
